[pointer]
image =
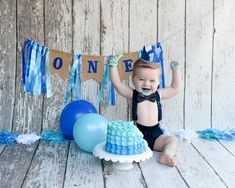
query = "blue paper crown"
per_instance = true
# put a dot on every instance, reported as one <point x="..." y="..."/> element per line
<point x="154" y="54"/>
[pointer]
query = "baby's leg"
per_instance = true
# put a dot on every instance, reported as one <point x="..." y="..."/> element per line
<point x="167" y="145"/>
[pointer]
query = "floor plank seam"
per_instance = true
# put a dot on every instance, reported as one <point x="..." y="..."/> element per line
<point x="182" y="176"/>
<point x="66" y="164"/>
<point x="226" y="148"/>
<point x="210" y="165"/>
<point x="142" y="175"/>
<point x="102" y="165"/>
<point x="2" y="150"/>
<point x="30" y="164"/>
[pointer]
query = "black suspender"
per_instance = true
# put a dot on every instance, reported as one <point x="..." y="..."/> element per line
<point x="134" y="105"/>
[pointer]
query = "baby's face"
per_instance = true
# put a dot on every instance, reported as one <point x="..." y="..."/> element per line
<point x="146" y="80"/>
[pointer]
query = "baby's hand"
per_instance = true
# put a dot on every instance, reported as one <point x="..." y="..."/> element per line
<point x="113" y="60"/>
<point x="174" y="65"/>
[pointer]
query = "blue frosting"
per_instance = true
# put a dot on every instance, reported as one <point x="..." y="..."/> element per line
<point x="124" y="138"/>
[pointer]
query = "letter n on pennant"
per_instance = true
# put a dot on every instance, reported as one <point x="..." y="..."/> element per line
<point x="92" y="68"/>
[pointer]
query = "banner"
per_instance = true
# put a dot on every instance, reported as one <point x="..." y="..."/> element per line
<point x="39" y="62"/>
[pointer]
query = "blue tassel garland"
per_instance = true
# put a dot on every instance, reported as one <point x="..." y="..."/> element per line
<point x="7" y="137"/>
<point x="52" y="137"/>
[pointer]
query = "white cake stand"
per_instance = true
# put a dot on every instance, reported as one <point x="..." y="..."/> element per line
<point x="120" y="162"/>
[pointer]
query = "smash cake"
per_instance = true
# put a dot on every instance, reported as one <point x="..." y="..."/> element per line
<point x="124" y="138"/>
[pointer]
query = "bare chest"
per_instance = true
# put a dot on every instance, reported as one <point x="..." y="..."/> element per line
<point x="147" y="113"/>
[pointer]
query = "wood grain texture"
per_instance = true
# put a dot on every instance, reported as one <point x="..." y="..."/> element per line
<point x="157" y="175"/>
<point x="83" y="169"/>
<point x="96" y="27"/>
<point x="143" y="23"/>
<point x="86" y="40"/>
<point x="214" y="152"/>
<point x="15" y="161"/>
<point x="2" y="148"/>
<point x="171" y="35"/>
<point x="58" y="35"/>
<point x="48" y="166"/>
<point x="194" y="169"/>
<point x="229" y="145"/>
<point x="223" y="104"/>
<point x="199" y="32"/>
<point x="114" y="37"/>
<point x="119" y="178"/>
<point x="142" y="26"/>
<point x="28" y="109"/>
<point x="7" y="62"/>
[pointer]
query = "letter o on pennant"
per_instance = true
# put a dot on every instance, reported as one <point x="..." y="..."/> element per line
<point x="58" y="63"/>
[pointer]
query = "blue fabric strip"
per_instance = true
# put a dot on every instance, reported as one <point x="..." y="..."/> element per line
<point x="110" y="89"/>
<point x="42" y="67"/>
<point x="162" y="82"/>
<point x="102" y="87"/>
<point x="110" y="95"/>
<point x="27" y="66"/>
<point x="74" y="88"/>
<point x="32" y="66"/>
<point x="35" y="68"/>
<point x="113" y="102"/>
<point x="48" y="73"/>
<point x="24" y="57"/>
<point x="37" y="72"/>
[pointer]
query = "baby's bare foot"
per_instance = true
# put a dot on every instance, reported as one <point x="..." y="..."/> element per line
<point x="167" y="160"/>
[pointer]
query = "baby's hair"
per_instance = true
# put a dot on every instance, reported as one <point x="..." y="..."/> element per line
<point x="143" y="64"/>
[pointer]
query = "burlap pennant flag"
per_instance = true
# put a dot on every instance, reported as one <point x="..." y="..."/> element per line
<point x="92" y="68"/>
<point x="126" y="63"/>
<point x="60" y="63"/>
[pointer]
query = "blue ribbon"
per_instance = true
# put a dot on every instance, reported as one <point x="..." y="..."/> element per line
<point x="74" y="88"/>
<point x="42" y="67"/>
<point x="37" y="74"/>
<point x="24" y="58"/>
<point x="35" y="68"/>
<point x="48" y="73"/>
<point x="29" y="48"/>
<point x="162" y="82"/>
<point x="110" y="89"/>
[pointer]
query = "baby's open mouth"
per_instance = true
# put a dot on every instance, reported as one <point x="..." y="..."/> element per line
<point x="146" y="91"/>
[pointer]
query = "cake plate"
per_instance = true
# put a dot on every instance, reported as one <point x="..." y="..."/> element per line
<point x="120" y="162"/>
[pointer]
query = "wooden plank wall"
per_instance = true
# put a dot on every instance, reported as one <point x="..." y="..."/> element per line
<point x="199" y="34"/>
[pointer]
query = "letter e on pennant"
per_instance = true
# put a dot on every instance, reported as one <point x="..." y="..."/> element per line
<point x="126" y="64"/>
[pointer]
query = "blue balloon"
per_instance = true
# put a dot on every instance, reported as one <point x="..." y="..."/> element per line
<point x="71" y="112"/>
<point x="89" y="130"/>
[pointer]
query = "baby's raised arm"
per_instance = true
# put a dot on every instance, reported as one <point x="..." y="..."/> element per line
<point x="121" y="88"/>
<point x="176" y="84"/>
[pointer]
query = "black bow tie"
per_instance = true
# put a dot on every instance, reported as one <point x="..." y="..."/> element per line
<point x="141" y="97"/>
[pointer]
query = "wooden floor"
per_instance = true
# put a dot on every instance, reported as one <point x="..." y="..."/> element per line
<point x="200" y="164"/>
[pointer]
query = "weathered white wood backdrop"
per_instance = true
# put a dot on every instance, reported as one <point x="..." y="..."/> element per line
<point x="199" y="34"/>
